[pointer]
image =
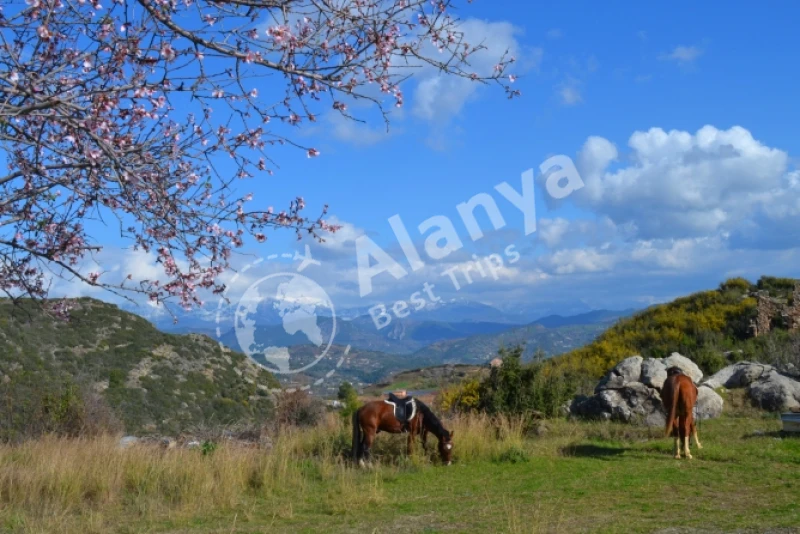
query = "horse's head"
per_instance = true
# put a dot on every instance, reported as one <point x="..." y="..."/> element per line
<point x="446" y="447"/>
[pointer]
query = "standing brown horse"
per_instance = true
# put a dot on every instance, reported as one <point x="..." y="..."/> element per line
<point x="679" y="396"/>
<point x="377" y="416"/>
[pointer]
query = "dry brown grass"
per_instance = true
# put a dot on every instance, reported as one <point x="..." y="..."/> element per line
<point x="79" y="485"/>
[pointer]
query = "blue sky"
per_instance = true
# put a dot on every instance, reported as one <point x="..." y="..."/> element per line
<point x="681" y="118"/>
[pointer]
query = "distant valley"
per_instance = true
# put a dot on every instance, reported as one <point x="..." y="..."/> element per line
<point x="458" y="333"/>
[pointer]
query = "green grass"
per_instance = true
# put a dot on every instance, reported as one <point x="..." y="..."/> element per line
<point x="588" y="484"/>
<point x="578" y="477"/>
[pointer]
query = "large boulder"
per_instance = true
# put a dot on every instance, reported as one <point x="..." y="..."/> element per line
<point x="631" y="392"/>
<point x="632" y="403"/>
<point x="738" y="375"/>
<point x="775" y="392"/>
<point x="709" y="403"/>
<point x="686" y="365"/>
<point x="588" y="408"/>
<point x="625" y="372"/>
<point x="654" y="373"/>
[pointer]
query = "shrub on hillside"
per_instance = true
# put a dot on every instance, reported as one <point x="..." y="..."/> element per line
<point x="514" y="388"/>
<point x="30" y="408"/>
<point x="461" y="398"/>
<point x="718" y="320"/>
<point x="776" y="286"/>
<point x="348" y="395"/>
<point x="299" y="409"/>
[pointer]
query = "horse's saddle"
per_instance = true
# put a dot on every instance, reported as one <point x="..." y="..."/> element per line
<point x="405" y="409"/>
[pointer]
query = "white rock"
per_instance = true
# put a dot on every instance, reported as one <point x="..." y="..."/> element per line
<point x="685" y="364"/>
<point x="775" y="392"/>
<point x="738" y="375"/>
<point x="709" y="403"/>
<point x="654" y="373"/>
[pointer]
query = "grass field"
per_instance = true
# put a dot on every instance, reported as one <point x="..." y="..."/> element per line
<point x="576" y="477"/>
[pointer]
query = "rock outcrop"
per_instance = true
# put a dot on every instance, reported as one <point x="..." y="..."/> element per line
<point x="631" y="392"/>
<point x="768" y="387"/>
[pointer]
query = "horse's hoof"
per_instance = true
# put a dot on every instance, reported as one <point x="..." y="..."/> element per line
<point x="689" y="456"/>
<point x="361" y="463"/>
<point x="677" y="456"/>
<point x="699" y="446"/>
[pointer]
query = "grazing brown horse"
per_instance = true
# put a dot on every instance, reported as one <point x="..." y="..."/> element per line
<point x="377" y="416"/>
<point x="679" y="396"/>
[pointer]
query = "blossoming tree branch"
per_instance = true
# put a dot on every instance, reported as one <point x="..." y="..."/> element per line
<point x="144" y="114"/>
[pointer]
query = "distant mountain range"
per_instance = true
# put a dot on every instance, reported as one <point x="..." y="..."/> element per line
<point x="592" y="317"/>
<point x="429" y="337"/>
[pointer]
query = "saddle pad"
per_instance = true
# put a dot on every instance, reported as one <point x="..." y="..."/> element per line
<point x="394" y="407"/>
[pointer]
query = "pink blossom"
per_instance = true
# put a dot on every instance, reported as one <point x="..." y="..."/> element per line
<point x="167" y="52"/>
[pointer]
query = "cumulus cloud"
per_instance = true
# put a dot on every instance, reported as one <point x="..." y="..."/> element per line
<point x="565" y="233"/>
<point x="678" y="184"/>
<point x="580" y="260"/>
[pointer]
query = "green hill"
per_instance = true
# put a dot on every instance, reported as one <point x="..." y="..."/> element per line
<point x="153" y="381"/>
<point x="703" y="326"/>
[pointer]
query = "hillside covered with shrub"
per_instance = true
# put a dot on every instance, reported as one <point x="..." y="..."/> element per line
<point x="107" y="367"/>
<point x="710" y="327"/>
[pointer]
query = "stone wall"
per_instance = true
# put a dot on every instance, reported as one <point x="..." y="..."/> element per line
<point x="769" y="308"/>
<point x="793" y="311"/>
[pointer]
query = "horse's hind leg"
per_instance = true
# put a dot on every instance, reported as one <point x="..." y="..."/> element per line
<point x="694" y="433"/>
<point x="367" y="437"/>
<point x="686" y="430"/>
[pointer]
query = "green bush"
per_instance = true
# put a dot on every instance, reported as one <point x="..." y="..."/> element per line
<point x="514" y="388"/>
<point x="349" y="397"/>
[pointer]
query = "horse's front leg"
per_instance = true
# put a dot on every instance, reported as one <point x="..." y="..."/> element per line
<point x="410" y="444"/>
<point x="424" y="434"/>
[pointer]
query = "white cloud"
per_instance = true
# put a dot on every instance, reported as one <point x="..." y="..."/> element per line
<point x="569" y="92"/>
<point x="356" y="133"/>
<point x="438" y="97"/>
<point x="580" y="260"/>
<point x="678" y="184"/>
<point x="552" y="231"/>
<point x="344" y="238"/>
<point x="683" y="54"/>
<point x="677" y="254"/>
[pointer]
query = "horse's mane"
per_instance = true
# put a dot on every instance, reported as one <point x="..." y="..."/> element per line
<point x="431" y="421"/>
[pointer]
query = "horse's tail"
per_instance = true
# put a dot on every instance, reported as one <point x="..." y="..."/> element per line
<point x="674" y="386"/>
<point x="356" y="435"/>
